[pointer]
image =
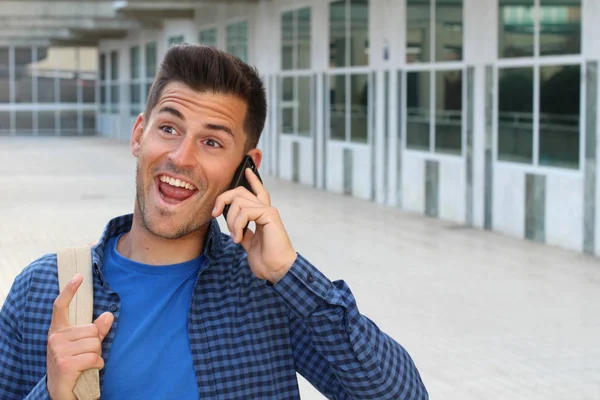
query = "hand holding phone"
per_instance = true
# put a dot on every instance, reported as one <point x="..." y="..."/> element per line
<point x="239" y="178"/>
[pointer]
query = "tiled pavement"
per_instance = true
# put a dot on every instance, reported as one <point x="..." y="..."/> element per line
<point x="484" y="316"/>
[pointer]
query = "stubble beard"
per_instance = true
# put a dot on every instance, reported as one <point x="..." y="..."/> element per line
<point x="193" y="224"/>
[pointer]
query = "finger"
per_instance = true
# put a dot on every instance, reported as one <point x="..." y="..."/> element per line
<point x="83" y="362"/>
<point x="229" y="196"/>
<point x="86" y="345"/>
<point x="104" y="323"/>
<point x="60" y="309"/>
<point x="257" y="187"/>
<point x="73" y="333"/>
<point x="239" y="224"/>
<point x="239" y="203"/>
<point x="247" y="240"/>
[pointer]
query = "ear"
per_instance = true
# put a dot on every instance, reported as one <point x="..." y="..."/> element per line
<point x="256" y="155"/>
<point x="136" y="135"/>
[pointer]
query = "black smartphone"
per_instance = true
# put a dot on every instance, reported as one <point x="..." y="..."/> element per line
<point x="239" y="178"/>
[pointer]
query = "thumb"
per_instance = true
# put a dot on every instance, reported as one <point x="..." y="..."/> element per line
<point x="103" y="323"/>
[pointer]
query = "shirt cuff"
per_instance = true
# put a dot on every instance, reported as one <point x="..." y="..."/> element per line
<point x="305" y="289"/>
<point x="39" y="391"/>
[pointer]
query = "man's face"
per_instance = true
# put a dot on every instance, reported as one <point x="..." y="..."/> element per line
<point x="187" y="154"/>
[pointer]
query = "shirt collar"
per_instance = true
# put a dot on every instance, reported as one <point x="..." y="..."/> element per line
<point x="122" y="224"/>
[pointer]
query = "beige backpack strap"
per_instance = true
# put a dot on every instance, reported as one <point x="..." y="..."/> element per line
<point x="72" y="261"/>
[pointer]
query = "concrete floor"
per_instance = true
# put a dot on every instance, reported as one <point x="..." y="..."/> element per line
<point x="484" y="316"/>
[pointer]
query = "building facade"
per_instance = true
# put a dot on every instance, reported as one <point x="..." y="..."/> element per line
<point x="480" y="112"/>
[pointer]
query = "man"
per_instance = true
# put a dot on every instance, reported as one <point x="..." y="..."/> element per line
<point x="182" y="311"/>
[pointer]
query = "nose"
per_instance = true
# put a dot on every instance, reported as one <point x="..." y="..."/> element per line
<point x="184" y="155"/>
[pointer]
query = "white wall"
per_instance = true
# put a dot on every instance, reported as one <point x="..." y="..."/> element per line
<point x="564" y="211"/>
<point x="508" y="208"/>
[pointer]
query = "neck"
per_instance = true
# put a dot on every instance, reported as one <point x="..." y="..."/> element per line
<point x="142" y="246"/>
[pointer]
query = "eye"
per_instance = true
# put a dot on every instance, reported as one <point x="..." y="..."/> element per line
<point x="168" y="129"/>
<point x="212" y="143"/>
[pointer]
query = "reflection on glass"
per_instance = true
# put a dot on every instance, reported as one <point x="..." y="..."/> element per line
<point x="418" y="31"/>
<point x="359" y="108"/>
<point x="103" y="97"/>
<point x="68" y="123"/>
<point x="449" y="30"/>
<point x="448" y="112"/>
<point x="208" y="37"/>
<point x="287" y="105"/>
<point x="359" y="32"/>
<point x="560" y="27"/>
<point x="4" y="122"/>
<point x="134" y="62"/>
<point x="46" y="125"/>
<point x="287" y="120"/>
<point x="114" y="65"/>
<point x="46" y="92"/>
<point x="337" y="103"/>
<point x="337" y="34"/>
<point x="560" y="90"/>
<point x="515" y="114"/>
<point x="135" y="99"/>
<point x="89" y="122"/>
<point x="4" y="77"/>
<point x="115" y="98"/>
<point x="175" y="40"/>
<point x="23" y="76"/>
<point x="48" y="60"/>
<point x="287" y="88"/>
<point x="68" y="86"/>
<point x="287" y="40"/>
<point x="303" y="38"/>
<point x="304" y="105"/>
<point x="88" y="89"/>
<point x="418" y="106"/>
<point x="24" y="122"/>
<point x="237" y="40"/>
<point x="516" y="25"/>
<point x="150" y="60"/>
<point x="102" y="66"/>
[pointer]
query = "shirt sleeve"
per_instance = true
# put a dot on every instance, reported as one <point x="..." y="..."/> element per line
<point x="341" y="352"/>
<point x="12" y="385"/>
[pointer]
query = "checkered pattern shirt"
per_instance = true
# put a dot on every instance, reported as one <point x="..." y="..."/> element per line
<point x="248" y="338"/>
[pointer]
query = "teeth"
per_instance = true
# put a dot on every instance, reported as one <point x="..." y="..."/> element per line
<point x="176" y="182"/>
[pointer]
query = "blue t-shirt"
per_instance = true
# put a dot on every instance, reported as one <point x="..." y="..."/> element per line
<point x="150" y="357"/>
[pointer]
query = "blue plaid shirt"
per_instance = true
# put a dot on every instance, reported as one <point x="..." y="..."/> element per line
<point x="248" y="338"/>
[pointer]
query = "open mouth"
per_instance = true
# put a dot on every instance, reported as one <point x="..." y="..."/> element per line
<point x="174" y="191"/>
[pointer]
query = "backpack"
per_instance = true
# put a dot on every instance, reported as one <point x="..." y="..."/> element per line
<point x="72" y="261"/>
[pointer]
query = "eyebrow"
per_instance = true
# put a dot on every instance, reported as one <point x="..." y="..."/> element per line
<point x="177" y="114"/>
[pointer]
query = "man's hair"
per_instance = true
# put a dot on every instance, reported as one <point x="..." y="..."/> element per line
<point x="207" y="69"/>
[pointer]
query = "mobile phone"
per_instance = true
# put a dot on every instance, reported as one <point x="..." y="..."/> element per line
<point x="239" y="178"/>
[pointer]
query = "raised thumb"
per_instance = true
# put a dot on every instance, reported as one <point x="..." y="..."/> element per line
<point x="103" y="323"/>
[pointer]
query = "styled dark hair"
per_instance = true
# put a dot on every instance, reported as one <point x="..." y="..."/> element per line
<point x="207" y="69"/>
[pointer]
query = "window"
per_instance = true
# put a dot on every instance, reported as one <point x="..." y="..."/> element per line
<point x="5" y="84"/>
<point x="67" y="75"/>
<point x="434" y="116"/>
<point x="349" y="91"/>
<point x="539" y="98"/>
<point x="296" y="105"/>
<point x="434" y="31"/>
<point x="103" y="78"/>
<point x="554" y="126"/>
<point x="115" y="97"/>
<point x="349" y="107"/>
<point x="175" y="40"/>
<point x="557" y="31"/>
<point x="135" y="86"/>
<point x="24" y="81"/>
<point x="237" y="40"/>
<point x="296" y="39"/>
<point x="150" y="66"/>
<point x="208" y="37"/>
<point x="348" y="33"/>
